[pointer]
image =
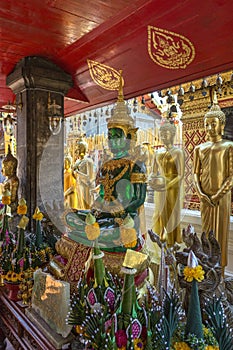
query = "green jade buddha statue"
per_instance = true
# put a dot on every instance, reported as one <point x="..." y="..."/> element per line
<point x="113" y="218"/>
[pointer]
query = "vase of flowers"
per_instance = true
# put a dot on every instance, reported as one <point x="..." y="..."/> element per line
<point x="12" y="290"/>
<point x="18" y="258"/>
<point x="116" y="317"/>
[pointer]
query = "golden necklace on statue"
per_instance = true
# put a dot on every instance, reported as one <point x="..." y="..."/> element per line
<point x="116" y="163"/>
<point x="109" y="179"/>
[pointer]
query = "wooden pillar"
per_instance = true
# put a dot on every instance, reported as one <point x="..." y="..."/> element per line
<point x="40" y="154"/>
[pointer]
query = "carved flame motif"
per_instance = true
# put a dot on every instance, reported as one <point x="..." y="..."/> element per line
<point x="169" y="50"/>
<point x="105" y="76"/>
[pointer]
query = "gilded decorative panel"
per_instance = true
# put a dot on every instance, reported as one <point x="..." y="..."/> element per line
<point x="193" y="134"/>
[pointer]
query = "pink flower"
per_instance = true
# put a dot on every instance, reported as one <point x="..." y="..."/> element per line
<point x="121" y="338"/>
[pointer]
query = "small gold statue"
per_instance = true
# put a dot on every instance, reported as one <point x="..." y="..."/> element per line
<point x="213" y="177"/>
<point x="85" y="177"/>
<point x="11" y="183"/>
<point x="70" y="193"/>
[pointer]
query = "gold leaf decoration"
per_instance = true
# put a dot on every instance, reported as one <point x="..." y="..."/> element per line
<point x="168" y="49"/>
<point x="105" y="76"/>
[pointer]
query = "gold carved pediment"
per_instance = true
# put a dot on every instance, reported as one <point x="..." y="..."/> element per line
<point x="168" y="49"/>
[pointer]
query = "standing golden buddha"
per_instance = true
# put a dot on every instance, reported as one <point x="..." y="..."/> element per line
<point x="166" y="180"/>
<point x="70" y="193"/>
<point x="11" y="183"/>
<point x="85" y="176"/>
<point x="213" y="177"/>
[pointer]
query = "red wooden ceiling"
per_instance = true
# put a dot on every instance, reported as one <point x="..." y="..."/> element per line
<point x="113" y="32"/>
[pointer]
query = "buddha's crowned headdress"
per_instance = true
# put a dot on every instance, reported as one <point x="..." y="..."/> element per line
<point x="121" y="117"/>
<point x="215" y="110"/>
<point x="82" y="143"/>
<point x="167" y="125"/>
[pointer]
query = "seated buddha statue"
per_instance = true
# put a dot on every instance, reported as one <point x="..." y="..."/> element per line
<point x="11" y="182"/>
<point x="122" y="191"/>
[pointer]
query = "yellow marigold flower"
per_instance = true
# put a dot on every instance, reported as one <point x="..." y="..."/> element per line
<point x="188" y="273"/>
<point x="211" y="347"/>
<point x="191" y="273"/>
<point x="138" y="344"/>
<point x="8" y="275"/>
<point x="6" y="200"/>
<point x="22" y="209"/>
<point x="21" y="276"/>
<point x="181" y="346"/>
<point x="14" y="277"/>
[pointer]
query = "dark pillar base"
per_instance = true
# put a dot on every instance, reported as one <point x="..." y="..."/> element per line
<point x="2" y="339"/>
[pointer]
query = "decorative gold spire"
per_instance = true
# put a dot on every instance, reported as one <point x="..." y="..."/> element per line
<point x="120" y="91"/>
<point x="215" y="99"/>
<point x="121" y="117"/>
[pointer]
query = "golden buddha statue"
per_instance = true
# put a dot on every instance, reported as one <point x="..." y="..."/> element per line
<point x="85" y="176"/>
<point x="213" y="177"/>
<point x="11" y="183"/>
<point x="70" y="193"/>
<point x="166" y="180"/>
